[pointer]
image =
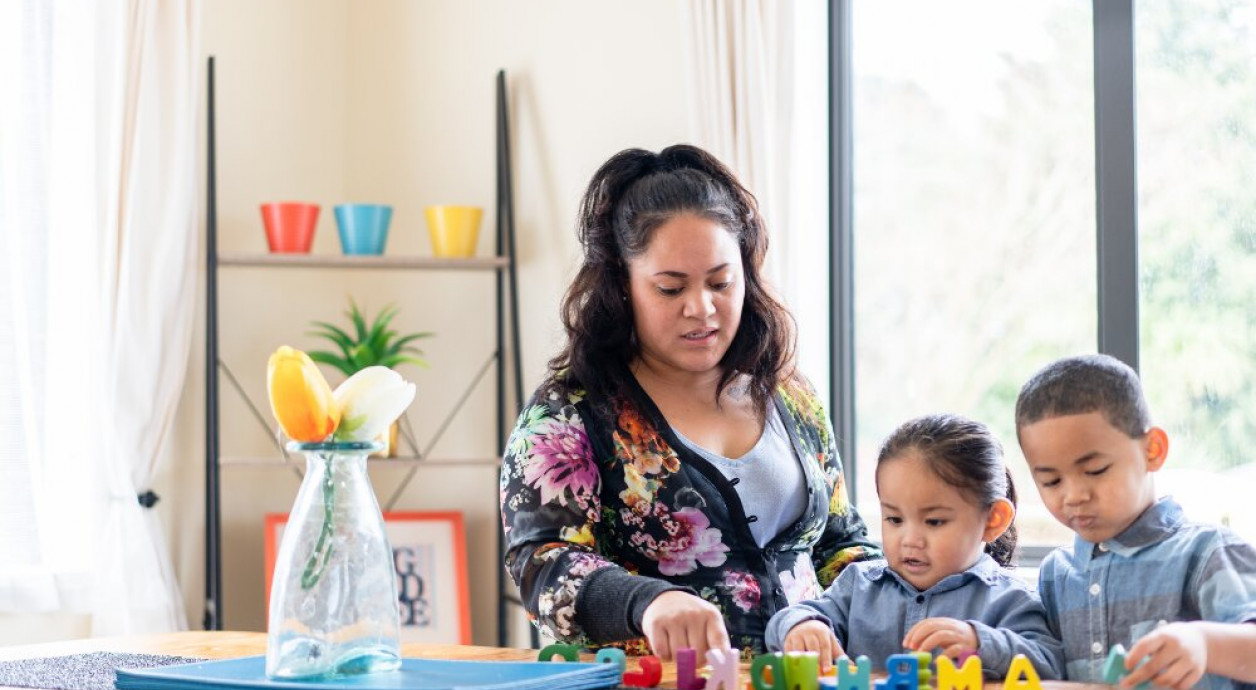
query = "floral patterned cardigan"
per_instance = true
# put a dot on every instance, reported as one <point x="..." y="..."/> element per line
<point x="604" y="508"/>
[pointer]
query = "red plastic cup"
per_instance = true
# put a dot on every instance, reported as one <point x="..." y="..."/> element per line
<point x="289" y="226"/>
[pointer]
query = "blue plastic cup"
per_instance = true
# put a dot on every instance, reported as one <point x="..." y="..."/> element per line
<point x="363" y="227"/>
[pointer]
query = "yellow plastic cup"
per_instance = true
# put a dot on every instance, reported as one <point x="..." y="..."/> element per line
<point x="453" y="229"/>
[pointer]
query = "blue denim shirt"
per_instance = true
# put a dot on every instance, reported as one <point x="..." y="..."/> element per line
<point x="871" y="608"/>
<point x="1161" y="568"/>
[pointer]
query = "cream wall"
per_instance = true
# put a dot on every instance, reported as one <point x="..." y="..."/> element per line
<point x="392" y="101"/>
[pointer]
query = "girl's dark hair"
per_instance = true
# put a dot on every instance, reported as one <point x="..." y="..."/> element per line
<point x="629" y="197"/>
<point x="964" y="454"/>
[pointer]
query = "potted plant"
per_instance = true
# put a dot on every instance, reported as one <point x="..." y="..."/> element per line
<point x="365" y="344"/>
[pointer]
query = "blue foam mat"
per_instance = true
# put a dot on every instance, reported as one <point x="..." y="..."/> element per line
<point x="414" y="674"/>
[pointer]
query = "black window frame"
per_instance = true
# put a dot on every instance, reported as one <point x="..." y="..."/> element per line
<point x="1116" y="202"/>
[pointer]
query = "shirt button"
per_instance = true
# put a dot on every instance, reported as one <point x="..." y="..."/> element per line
<point x="1103" y="546"/>
<point x="920" y="598"/>
<point x="1094" y="591"/>
<point x="1097" y="648"/>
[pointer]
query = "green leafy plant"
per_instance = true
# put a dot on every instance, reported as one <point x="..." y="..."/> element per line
<point x="364" y="345"/>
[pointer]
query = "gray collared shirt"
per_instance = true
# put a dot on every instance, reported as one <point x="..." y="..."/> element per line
<point x="1162" y="568"/>
<point x="871" y="608"/>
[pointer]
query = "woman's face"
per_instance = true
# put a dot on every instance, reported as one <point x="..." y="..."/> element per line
<point x="687" y="289"/>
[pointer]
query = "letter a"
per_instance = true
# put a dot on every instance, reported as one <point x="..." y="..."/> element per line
<point x="1021" y="675"/>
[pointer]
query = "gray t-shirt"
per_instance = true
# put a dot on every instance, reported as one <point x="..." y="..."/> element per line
<point x="768" y="479"/>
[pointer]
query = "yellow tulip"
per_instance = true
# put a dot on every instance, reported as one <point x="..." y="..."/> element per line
<point x="300" y="398"/>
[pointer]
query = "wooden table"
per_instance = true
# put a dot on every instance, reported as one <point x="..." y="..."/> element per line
<point x="225" y="645"/>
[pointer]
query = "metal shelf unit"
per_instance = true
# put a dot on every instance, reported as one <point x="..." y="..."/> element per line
<point x="507" y="345"/>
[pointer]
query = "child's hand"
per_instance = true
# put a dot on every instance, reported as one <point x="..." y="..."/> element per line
<point x="1176" y="655"/>
<point x="814" y="636"/>
<point x="954" y="637"/>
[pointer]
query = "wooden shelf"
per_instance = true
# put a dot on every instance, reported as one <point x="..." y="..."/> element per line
<point x="268" y="459"/>
<point x="401" y="461"/>
<point x="492" y="263"/>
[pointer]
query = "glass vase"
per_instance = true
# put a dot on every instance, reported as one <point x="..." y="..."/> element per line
<point x="333" y="599"/>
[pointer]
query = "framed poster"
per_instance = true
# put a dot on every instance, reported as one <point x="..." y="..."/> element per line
<point x="430" y="560"/>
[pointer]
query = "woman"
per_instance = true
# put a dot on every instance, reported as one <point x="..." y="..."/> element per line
<point x="674" y="478"/>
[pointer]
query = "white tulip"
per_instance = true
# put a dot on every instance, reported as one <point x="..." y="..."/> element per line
<point x="369" y="401"/>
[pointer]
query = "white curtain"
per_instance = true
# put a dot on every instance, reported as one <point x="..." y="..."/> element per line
<point x="759" y="100"/>
<point x="98" y="205"/>
<point x="743" y="88"/>
<point x="148" y="219"/>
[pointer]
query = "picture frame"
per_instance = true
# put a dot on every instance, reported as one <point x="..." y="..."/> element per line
<point x="430" y="560"/>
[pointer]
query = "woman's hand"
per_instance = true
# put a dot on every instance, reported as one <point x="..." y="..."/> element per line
<point x="953" y="636"/>
<point x="676" y="619"/>
<point x="814" y="636"/>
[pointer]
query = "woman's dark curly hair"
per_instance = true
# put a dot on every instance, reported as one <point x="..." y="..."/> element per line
<point x="630" y="196"/>
<point x="966" y="455"/>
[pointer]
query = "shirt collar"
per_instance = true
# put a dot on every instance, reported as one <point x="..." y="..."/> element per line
<point x="1156" y="524"/>
<point x="985" y="569"/>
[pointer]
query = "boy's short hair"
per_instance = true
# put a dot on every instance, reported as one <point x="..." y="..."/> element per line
<point x="1082" y="384"/>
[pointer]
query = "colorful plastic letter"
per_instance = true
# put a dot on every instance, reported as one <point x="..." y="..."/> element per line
<point x="828" y="679"/>
<point x="767" y="672"/>
<point x="725" y="670"/>
<point x="1021" y="675"/>
<point x="649" y="676"/>
<point x="1114" y="668"/>
<point x="968" y="677"/>
<point x="610" y="655"/>
<point x="856" y="676"/>
<point x="924" y="674"/>
<point x="687" y="677"/>
<point x="569" y="652"/>
<point x="902" y="671"/>
<point x="802" y="671"/>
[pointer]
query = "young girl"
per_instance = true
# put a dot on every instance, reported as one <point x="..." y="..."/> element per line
<point x="947" y="505"/>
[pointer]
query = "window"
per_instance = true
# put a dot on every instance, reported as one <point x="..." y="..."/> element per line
<point x="22" y="285"/>
<point x="972" y="222"/>
<point x="974" y="216"/>
<point x="49" y="414"/>
<point x="1196" y="75"/>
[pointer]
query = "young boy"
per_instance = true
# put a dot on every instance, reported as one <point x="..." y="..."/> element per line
<point x="1180" y="596"/>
